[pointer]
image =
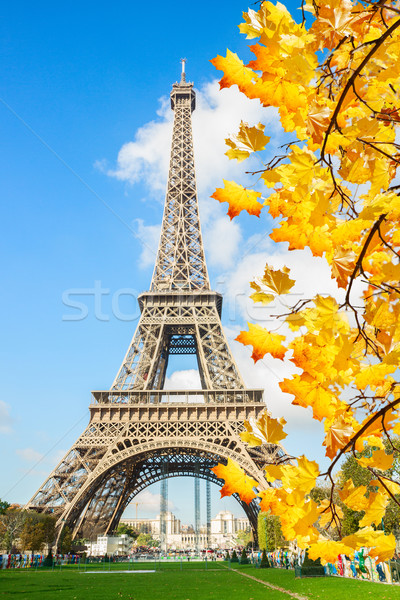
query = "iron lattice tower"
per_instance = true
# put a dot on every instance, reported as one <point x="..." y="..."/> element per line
<point x="138" y="431"/>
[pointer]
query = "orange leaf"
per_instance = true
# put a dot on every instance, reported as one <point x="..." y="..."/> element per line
<point x="236" y="481"/>
<point x="234" y="71"/>
<point x="337" y="437"/>
<point x="267" y="430"/>
<point x="248" y="139"/>
<point x="238" y="198"/>
<point x="343" y="262"/>
<point x="263" y="342"/>
<point x="375" y="509"/>
<point x="274" y="280"/>
<point x="379" y="460"/>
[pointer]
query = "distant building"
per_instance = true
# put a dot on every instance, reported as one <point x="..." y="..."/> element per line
<point x="173" y="525"/>
<point x="224" y="528"/>
<point x="111" y="545"/>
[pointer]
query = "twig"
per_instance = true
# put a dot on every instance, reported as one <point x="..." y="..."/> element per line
<point x="351" y="81"/>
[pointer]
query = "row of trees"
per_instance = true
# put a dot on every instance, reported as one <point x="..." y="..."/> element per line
<point x="22" y="530"/>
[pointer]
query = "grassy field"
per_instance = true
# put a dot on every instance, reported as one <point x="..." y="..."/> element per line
<point x="324" y="588"/>
<point x="193" y="582"/>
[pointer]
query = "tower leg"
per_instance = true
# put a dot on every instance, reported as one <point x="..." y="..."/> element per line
<point x="197" y="512"/>
<point x="208" y="505"/>
<point x="163" y="512"/>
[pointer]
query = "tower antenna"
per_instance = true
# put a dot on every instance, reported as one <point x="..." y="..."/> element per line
<point x="183" y="75"/>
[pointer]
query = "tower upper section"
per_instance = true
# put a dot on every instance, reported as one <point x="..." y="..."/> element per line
<point x="180" y="263"/>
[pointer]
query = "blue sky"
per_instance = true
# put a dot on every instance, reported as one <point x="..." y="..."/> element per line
<point x="85" y="129"/>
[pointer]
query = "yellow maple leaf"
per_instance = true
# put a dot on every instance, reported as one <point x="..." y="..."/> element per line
<point x="247" y="140"/>
<point x="373" y="375"/>
<point x="336" y="20"/>
<point x="238" y="198"/>
<point x="353" y="497"/>
<point x="234" y="71"/>
<point x="325" y="316"/>
<point x="305" y="519"/>
<point x="249" y="436"/>
<point x="307" y="473"/>
<point x="271" y="429"/>
<point x="317" y="120"/>
<point x="276" y="281"/>
<point x="338" y="435"/>
<point x="276" y="89"/>
<point x="301" y="478"/>
<point x="379" y="460"/>
<point x="328" y="550"/>
<point x="262" y="297"/>
<point x="236" y="481"/>
<point x="381" y="546"/>
<point x="310" y="392"/>
<point x="343" y="263"/>
<point x="263" y="342"/>
<point x="267" y="430"/>
<point x="384" y="548"/>
<point x="274" y="472"/>
<point x="392" y="486"/>
<point x="375" y="509"/>
<point x="269" y="501"/>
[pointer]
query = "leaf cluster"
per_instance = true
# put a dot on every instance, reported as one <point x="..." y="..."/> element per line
<point x="333" y="190"/>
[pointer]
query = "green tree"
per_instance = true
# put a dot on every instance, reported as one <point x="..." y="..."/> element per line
<point x="65" y="543"/>
<point x="3" y="507"/>
<point x="359" y="475"/>
<point x="146" y="539"/>
<point x="243" y="558"/>
<point x="32" y="534"/>
<point x="124" y="529"/>
<point x="264" y="564"/>
<point x="11" y="524"/>
<point x="37" y="531"/>
<point x="269" y="530"/>
<point x="234" y="557"/>
<point x="244" y="538"/>
<point x="49" y="529"/>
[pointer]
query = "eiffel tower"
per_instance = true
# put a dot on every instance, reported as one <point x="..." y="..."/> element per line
<point x="139" y="433"/>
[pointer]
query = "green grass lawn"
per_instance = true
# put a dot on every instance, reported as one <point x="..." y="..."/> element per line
<point x="193" y="582"/>
<point x="325" y="588"/>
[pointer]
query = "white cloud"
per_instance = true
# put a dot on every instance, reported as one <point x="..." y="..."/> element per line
<point x="5" y="417"/>
<point x="146" y="159"/>
<point x="56" y="457"/>
<point x="183" y="380"/>
<point x="29" y="454"/>
<point x="148" y="503"/>
<point x="149" y="236"/>
<point x="222" y="239"/>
